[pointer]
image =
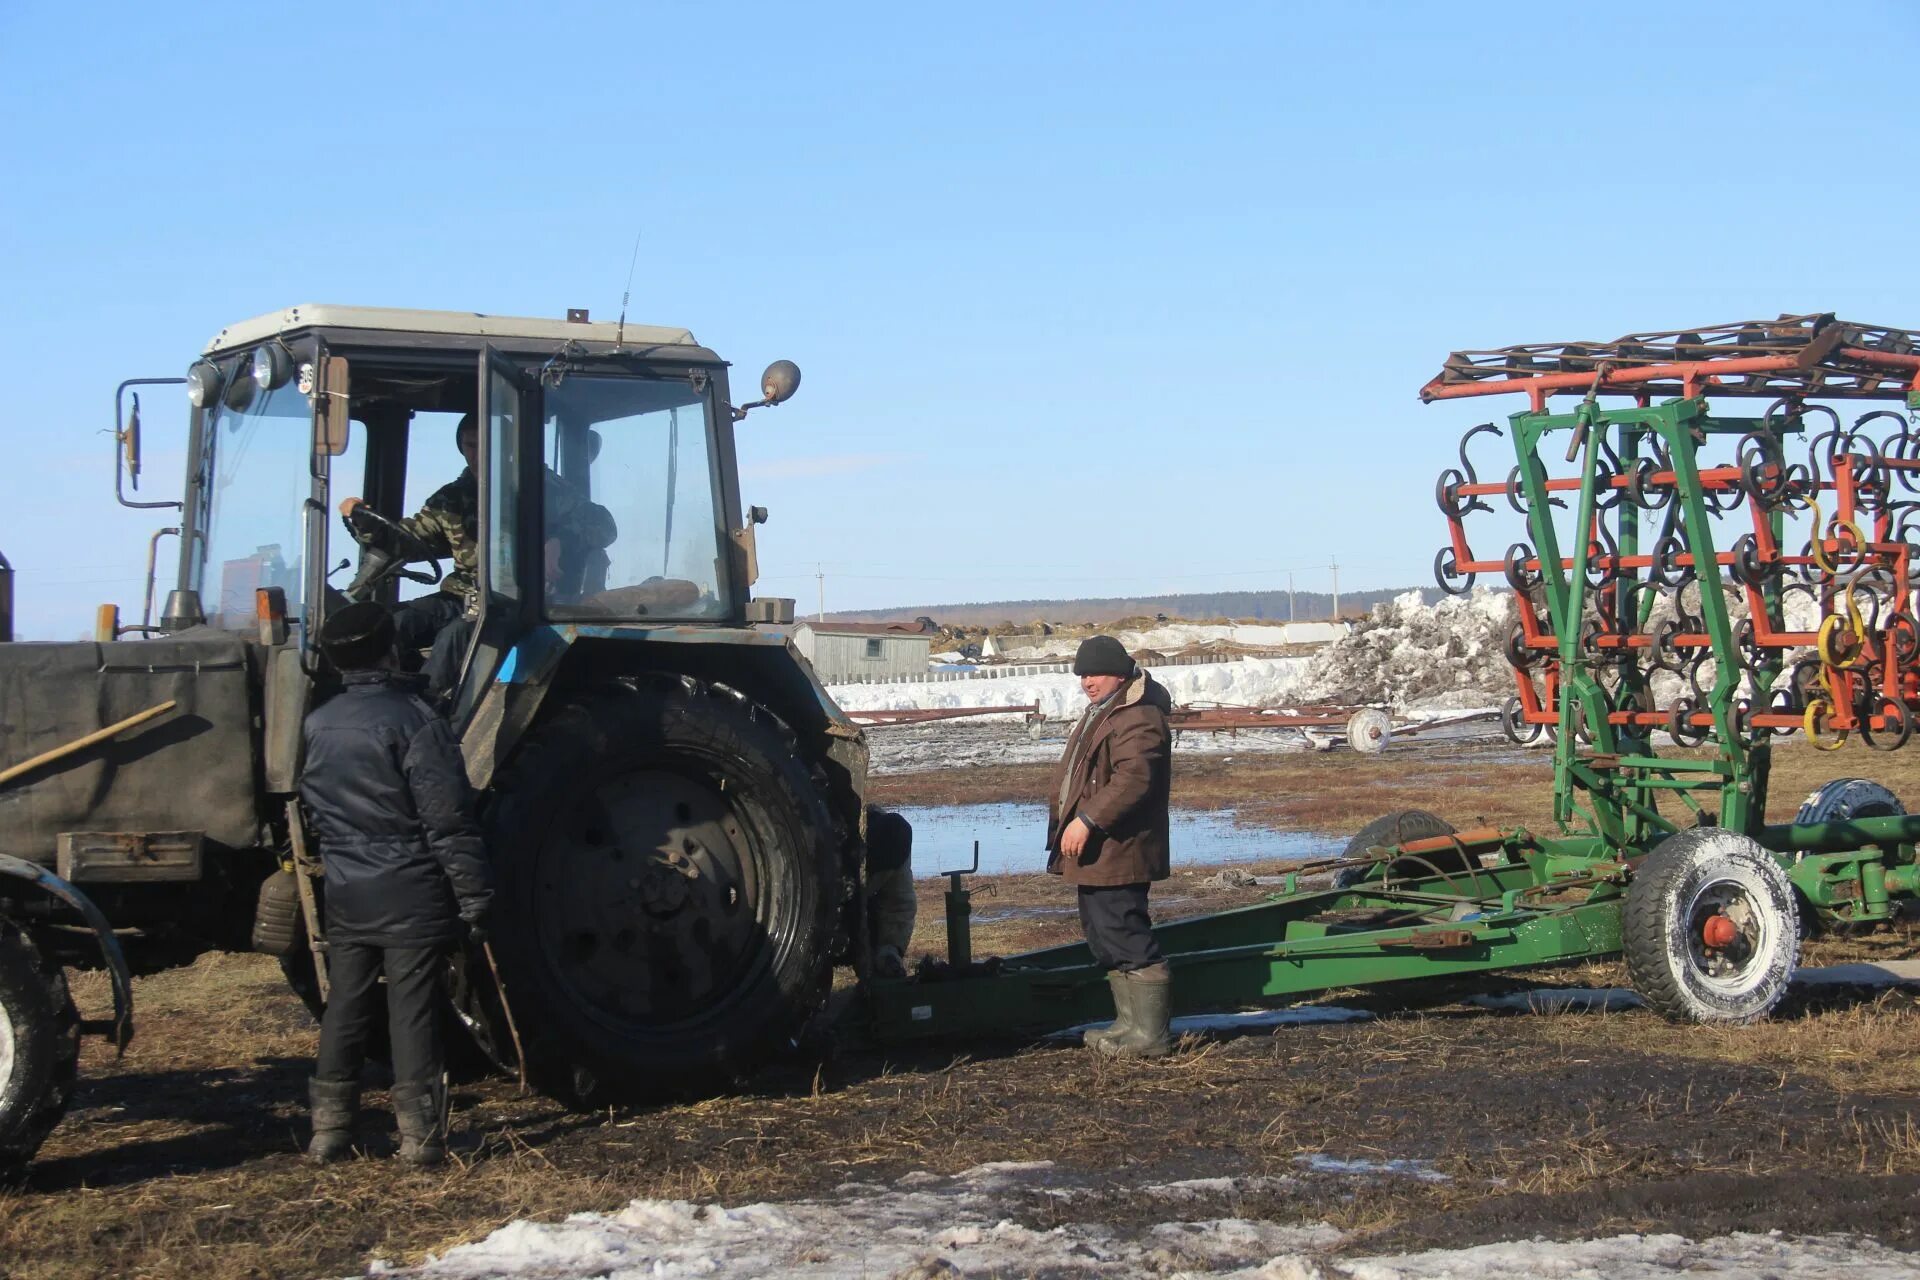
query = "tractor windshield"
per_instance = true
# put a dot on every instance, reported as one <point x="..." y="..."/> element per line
<point x="632" y="517"/>
<point x="255" y="476"/>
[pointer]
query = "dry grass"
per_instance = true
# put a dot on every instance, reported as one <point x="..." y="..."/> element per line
<point x="180" y="1160"/>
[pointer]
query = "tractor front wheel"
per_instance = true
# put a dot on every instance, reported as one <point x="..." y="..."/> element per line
<point x="39" y="1049"/>
<point x="669" y="890"/>
<point x="1710" y="930"/>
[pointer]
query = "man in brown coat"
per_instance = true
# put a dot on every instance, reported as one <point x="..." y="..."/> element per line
<point x="1107" y="834"/>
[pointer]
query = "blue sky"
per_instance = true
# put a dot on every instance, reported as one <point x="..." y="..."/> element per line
<point x="1090" y="299"/>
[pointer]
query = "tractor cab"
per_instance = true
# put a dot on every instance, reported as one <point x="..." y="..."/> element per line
<point x="581" y="474"/>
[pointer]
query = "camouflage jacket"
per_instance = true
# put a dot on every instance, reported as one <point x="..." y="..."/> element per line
<point x="448" y="524"/>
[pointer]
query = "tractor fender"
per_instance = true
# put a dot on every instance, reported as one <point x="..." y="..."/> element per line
<point x="121" y="1030"/>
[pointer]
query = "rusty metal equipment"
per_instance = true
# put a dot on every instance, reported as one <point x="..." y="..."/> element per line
<point x="1666" y="544"/>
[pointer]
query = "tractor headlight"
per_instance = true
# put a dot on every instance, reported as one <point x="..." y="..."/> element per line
<point x="203" y="384"/>
<point x="272" y="366"/>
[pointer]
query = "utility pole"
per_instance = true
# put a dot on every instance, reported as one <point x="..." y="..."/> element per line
<point x="1336" y="588"/>
<point x="821" y="578"/>
<point x="1289" y="597"/>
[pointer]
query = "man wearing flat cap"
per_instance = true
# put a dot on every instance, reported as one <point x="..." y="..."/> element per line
<point x="1107" y="835"/>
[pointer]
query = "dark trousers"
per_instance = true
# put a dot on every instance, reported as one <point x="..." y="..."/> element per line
<point x="413" y="1011"/>
<point x="1118" y="930"/>
<point x="449" y="651"/>
<point x="417" y="622"/>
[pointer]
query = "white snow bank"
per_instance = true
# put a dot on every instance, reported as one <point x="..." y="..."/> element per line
<point x="1256" y="682"/>
<point x="968" y="1224"/>
<point x="1170" y="638"/>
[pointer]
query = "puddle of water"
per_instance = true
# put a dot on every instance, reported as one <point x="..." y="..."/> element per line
<point x="1012" y="837"/>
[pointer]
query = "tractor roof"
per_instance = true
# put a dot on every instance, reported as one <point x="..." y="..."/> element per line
<point x="1799" y="356"/>
<point x="446" y="323"/>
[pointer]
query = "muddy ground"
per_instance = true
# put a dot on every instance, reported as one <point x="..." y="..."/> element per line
<point x="180" y="1159"/>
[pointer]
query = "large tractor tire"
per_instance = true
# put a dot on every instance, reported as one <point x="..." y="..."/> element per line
<point x="39" y="1049"/>
<point x="669" y="891"/>
<point x="1394" y="828"/>
<point x="1710" y="928"/>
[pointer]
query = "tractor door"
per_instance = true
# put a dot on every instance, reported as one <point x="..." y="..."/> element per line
<point x="509" y="504"/>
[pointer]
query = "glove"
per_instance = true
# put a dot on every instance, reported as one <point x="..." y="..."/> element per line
<point x="889" y="963"/>
<point x="477" y="933"/>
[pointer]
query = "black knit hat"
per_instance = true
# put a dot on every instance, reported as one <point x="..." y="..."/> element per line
<point x="1102" y="656"/>
<point x="357" y="637"/>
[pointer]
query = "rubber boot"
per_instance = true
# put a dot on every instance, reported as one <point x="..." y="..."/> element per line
<point x="332" y="1104"/>
<point x="1150" y="997"/>
<point x="421" y="1110"/>
<point x="1122" y="1011"/>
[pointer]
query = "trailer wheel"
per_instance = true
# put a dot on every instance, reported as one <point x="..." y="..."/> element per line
<point x="1397" y="827"/>
<point x="39" y="1049"/>
<point x="669" y="891"/>
<point x="1844" y="799"/>
<point x="1710" y="930"/>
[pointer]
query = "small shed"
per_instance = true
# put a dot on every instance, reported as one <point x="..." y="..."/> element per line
<point x="865" y="652"/>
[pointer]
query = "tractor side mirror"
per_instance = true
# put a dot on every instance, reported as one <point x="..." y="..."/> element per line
<point x="779" y="382"/>
<point x="777" y="386"/>
<point x="336" y="429"/>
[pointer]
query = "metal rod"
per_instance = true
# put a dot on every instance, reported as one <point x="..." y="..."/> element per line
<point x="82" y="743"/>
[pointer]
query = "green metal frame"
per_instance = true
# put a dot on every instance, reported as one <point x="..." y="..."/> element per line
<point x="1525" y="900"/>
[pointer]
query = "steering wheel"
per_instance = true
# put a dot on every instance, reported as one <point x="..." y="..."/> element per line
<point x="377" y="564"/>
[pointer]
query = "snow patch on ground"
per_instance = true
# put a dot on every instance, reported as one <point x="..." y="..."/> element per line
<point x="1239" y="1023"/>
<point x="1627" y="1257"/>
<point x="1320" y="1162"/>
<point x="928" y="1225"/>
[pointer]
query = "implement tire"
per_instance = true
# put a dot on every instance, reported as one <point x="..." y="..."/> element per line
<point x="1395" y="828"/>
<point x="670" y="891"/>
<point x="39" y="1049"/>
<point x="1710" y="929"/>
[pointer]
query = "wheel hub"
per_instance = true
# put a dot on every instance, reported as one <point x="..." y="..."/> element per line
<point x="1719" y="932"/>
<point x="6" y="1050"/>
<point x="1725" y="933"/>
<point x="646" y="901"/>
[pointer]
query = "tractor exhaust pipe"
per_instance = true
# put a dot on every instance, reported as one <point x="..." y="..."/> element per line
<point x="6" y="601"/>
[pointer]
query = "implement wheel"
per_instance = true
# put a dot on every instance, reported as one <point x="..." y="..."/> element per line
<point x="1397" y="828"/>
<point x="39" y="1049"/>
<point x="1710" y="930"/>
<point x="670" y="891"/>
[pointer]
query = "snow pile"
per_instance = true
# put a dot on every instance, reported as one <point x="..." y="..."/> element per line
<point x="1256" y="682"/>
<point x="1407" y="652"/>
<point x="929" y="1225"/>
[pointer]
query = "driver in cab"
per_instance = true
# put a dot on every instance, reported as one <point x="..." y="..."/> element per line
<point x="447" y="524"/>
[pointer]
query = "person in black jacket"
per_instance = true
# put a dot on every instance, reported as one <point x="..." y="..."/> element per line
<point x="387" y="799"/>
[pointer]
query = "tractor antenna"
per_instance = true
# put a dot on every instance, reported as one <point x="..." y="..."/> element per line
<point x="620" y="334"/>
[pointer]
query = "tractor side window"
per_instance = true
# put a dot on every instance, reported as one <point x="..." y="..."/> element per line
<point x="503" y="497"/>
<point x="632" y="527"/>
<point x="258" y="475"/>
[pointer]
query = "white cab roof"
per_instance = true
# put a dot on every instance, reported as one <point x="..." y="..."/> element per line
<point x="463" y="323"/>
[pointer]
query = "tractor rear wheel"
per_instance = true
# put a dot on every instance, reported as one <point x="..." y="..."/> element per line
<point x="1396" y="828"/>
<point x="669" y="890"/>
<point x="1710" y="930"/>
<point x="39" y="1049"/>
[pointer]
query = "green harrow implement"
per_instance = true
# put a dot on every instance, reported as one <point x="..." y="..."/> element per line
<point x="1711" y="578"/>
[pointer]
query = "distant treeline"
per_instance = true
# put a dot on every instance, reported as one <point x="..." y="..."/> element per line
<point x="1266" y="606"/>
